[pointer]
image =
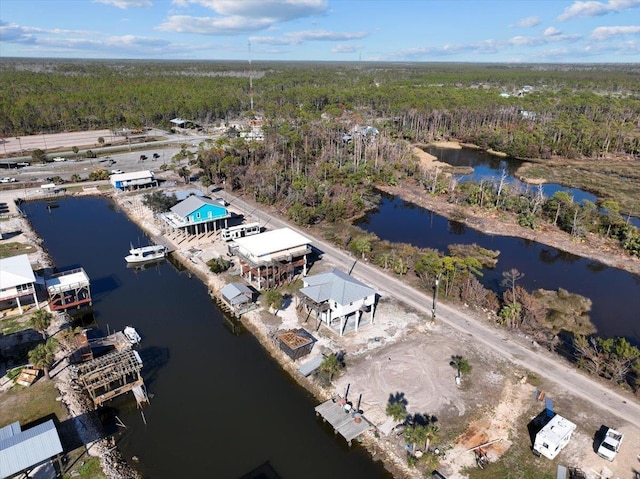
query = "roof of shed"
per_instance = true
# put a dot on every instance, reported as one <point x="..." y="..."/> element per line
<point x="272" y="241"/>
<point x="236" y="292"/>
<point x="337" y="286"/>
<point x="29" y="448"/>
<point x="15" y="270"/>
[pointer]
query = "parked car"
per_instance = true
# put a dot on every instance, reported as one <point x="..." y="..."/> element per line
<point x="59" y="158"/>
<point x="116" y="172"/>
<point x="23" y="163"/>
<point x="156" y="156"/>
<point x="7" y="179"/>
<point x="610" y="444"/>
<point x="143" y="157"/>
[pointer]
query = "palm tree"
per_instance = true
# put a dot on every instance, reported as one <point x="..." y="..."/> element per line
<point x="430" y="433"/>
<point x="397" y="410"/>
<point x="331" y="365"/>
<point x="40" y="321"/>
<point x="42" y="356"/>
<point x="461" y="365"/>
<point x="274" y="299"/>
<point x="414" y="434"/>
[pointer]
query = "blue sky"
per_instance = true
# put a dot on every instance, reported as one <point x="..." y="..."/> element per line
<point x="325" y="30"/>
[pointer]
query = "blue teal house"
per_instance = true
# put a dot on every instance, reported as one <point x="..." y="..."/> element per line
<point x="197" y="215"/>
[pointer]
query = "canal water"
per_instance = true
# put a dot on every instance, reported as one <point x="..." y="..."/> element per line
<point x="220" y="405"/>
<point x="615" y="293"/>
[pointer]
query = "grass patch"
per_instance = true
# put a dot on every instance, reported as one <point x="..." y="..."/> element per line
<point x="26" y="404"/>
<point x="13" y="249"/>
<point x="85" y="468"/>
<point x="12" y="325"/>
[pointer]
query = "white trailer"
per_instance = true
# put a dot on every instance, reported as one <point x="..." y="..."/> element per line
<point x="240" y="231"/>
<point x="553" y="437"/>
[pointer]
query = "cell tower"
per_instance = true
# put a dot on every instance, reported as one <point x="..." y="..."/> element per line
<point x="250" y="78"/>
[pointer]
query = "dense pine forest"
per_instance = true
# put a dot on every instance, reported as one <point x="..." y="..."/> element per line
<point x="569" y="110"/>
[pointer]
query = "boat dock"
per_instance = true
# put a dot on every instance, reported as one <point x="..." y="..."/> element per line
<point x="348" y="423"/>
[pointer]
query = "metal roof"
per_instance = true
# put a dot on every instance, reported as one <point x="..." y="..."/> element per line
<point x="335" y="286"/>
<point x="133" y="175"/>
<point x="272" y="242"/>
<point x="15" y="270"/>
<point x="29" y="448"/>
<point x="236" y="293"/>
<point x="67" y="280"/>
<point x="192" y="203"/>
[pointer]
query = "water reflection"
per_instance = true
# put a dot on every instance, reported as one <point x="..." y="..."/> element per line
<point x="614" y="293"/>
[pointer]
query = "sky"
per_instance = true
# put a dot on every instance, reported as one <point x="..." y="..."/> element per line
<point x="499" y="31"/>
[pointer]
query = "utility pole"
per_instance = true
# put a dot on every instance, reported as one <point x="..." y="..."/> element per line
<point x="435" y="296"/>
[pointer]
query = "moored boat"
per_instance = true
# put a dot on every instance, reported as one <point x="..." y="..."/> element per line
<point x="146" y="253"/>
<point x="132" y="335"/>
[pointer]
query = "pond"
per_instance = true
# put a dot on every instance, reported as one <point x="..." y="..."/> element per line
<point x="220" y="405"/>
<point x="615" y="293"/>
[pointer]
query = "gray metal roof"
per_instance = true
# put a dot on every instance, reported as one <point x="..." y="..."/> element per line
<point x="188" y="206"/>
<point x="335" y="286"/>
<point x="236" y="293"/>
<point x="29" y="448"/>
<point x="10" y="430"/>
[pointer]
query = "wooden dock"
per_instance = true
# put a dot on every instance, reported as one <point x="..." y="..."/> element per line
<point x="347" y="423"/>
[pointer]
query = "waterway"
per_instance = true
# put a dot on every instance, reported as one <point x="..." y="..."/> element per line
<point x="220" y="406"/>
<point x="489" y="167"/>
<point x="615" y="293"/>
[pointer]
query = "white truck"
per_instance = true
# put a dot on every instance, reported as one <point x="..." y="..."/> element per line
<point x="610" y="444"/>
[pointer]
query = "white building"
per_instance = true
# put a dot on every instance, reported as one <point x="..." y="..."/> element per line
<point x="336" y="296"/>
<point x="17" y="281"/>
<point x="133" y="180"/>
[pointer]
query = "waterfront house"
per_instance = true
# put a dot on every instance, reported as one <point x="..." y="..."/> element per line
<point x="134" y="180"/>
<point x="337" y="298"/>
<point x="236" y="295"/>
<point x="68" y="289"/>
<point x="17" y="282"/>
<point x="21" y="451"/>
<point x="272" y="258"/>
<point x="195" y="215"/>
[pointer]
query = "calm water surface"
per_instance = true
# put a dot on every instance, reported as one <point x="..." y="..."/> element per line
<point x="221" y="406"/>
<point x="615" y="294"/>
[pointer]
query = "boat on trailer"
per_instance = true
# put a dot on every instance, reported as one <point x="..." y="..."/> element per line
<point x="132" y="335"/>
<point x="146" y="253"/>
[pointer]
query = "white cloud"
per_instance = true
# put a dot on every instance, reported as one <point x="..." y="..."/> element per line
<point x="529" y="22"/>
<point x="551" y="31"/>
<point x="602" y="33"/>
<point x="213" y="25"/>
<point x="344" y="48"/>
<point x="593" y="8"/>
<point x="124" y="4"/>
<point x="271" y="10"/>
<point x="296" y="38"/>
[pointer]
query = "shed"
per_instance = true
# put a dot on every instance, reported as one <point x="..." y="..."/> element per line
<point x="296" y="343"/>
<point x="23" y="450"/>
<point x="236" y="294"/>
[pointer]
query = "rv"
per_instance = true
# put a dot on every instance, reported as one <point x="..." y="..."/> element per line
<point x="553" y="437"/>
<point x="240" y="231"/>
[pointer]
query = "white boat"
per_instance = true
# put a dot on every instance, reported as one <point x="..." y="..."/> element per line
<point x="146" y="253"/>
<point x="132" y="335"/>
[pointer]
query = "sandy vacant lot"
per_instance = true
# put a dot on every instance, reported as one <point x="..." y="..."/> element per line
<point x="53" y="141"/>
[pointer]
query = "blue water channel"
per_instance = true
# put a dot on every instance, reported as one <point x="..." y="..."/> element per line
<point x="615" y="293"/>
<point x="220" y="406"/>
<point x="489" y="167"/>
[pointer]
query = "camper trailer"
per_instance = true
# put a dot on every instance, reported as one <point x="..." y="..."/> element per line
<point x="240" y="231"/>
<point x="553" y="437"/>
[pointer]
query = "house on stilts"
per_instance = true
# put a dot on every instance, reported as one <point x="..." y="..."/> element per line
<point x="17" y="282"/>
<point x="268" y="260"/>
<point x="337" y="300"/>
<point x="68" y="289"/>
<point x="196" y="215"/>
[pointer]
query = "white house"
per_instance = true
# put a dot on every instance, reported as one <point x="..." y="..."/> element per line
<point x="271" y="258"/>
<point x="133" y="180"/>
<point x="337" y="296"/>
<point x="17" y="281"/>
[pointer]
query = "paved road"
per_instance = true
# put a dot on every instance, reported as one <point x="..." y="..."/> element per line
<point x="537" y="360"/>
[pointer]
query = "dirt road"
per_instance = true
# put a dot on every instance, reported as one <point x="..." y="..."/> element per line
<point x="537" y="360"/>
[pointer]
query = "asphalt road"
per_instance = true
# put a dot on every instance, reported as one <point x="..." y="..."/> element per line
<point x="526" y="355"/>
